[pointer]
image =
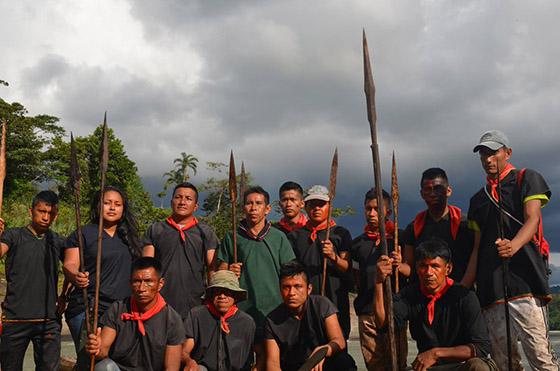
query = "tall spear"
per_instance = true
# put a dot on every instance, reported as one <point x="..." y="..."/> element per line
<point x="103" y="164"/>
<point x="332" y="191"/>
<point x="2" y="161"/>
<point x="395" y="197"/>
<point x="505" y="268"/>
<point x="75" y="179"/>
<point x="233" y="199"/>
<point x="369" y="89"/>
<point x="242" y="184"/>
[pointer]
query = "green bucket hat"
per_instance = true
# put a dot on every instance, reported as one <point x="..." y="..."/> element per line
<point x="226" y="279"/>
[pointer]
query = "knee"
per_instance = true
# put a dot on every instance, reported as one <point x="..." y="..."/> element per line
<point x="106" y="365"/>
<point x="477" y="364"/>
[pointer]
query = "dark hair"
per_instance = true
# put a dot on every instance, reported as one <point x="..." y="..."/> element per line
<point x="146" y="262"/>
<point x="127" y="228"/>
<point x="433" y="173"/>
<point x="259" y="190"/>
<point x="48" y="197"/>
<point x="186" y="185"/>
<point x="290" y="186"/>
<point x="293" y="268"/>
<point x="431" y="249"/>
<point x="372" y="195"/>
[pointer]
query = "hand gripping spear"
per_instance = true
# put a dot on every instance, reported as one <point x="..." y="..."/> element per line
<point x="332" y="191"/>
<point x="395" y="197"/>
<point x="369" y="89"/>
<point x="103" y="164"/>
<point x="75" y="179"/>
<point x="233" y="199"/>
<point x="505" y="268"/>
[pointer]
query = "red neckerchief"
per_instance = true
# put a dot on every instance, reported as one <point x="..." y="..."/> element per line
<point x="493" y="183"/>
<point x="288" y="226"/>
<point x="435" y="297"/>
<point x="320" y="227"/>
<point x="189" y="225"/>
<point x="135" y="315"/>
<point x="373" y="234"/>
<point x="223" y="318"/>
<point x="454" y="219"/>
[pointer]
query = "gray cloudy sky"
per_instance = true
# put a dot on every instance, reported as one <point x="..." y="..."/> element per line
<point x="281" y="83"/>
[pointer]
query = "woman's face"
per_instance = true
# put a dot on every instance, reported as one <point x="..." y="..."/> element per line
<point x="113" y="207"/>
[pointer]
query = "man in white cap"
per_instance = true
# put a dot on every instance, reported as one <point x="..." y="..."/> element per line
<point x="513" y="238"/>
<point x="219" y="335"/>
<point x="312" y="248"/>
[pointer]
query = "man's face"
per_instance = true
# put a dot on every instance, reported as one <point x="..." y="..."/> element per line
<point x="291" y="203"/>
<point x="371" y="212"/>
<point x="492" y="160"/>
<point x="294" y="291"/>
<point x="113" y="207"/>
<point x="255" y="208"/>
<point x="183" y="203"/>
<point x="146" y="283"/>
<point x="317" y="211"/>
<point x="223" y="299"/>
<point x="42" y="216"/>
<point x="435" y="192"/>
<point x="432" y="273"/>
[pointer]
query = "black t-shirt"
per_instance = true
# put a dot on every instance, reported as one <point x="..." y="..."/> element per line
<point x="278" y="226"/>
<point x="298" y="338"/>
<point x="527" y="268"/>
<point x="457" y="319"/>
<point x="116" y="261"/>
<point x="366" y="254"/>
<point x="338" y="283"/>
<point x="133" y="351"/>
<point x="183" y="262"/>
<point x="236" y="347"/>
<point x="32" y="274"/>
<point x="461" y="246"/>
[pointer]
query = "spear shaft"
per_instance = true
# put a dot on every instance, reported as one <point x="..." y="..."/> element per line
<point x="2" y="162"/>
<point x="233" y="199"/>
<point x="103" y="164"/>
<point x="242" y="184"/>
<point x="369" y="89"/>
<point x="395" y="197"/>
<point x="332" y="192"/>
<point x="76" y="185"/>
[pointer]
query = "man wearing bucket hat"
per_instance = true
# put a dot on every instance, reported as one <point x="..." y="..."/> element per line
<point x="219" y="335"/>
<point x="520" y="197"/>
<point x="311" y="248"/>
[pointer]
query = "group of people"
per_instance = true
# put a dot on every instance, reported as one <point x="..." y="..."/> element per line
<point x="178" y="298"/>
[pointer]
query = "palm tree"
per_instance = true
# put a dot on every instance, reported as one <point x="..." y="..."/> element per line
<point x="180" y="173"/>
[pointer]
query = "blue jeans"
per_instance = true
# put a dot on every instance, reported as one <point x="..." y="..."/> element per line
<point x="75" y="324"/>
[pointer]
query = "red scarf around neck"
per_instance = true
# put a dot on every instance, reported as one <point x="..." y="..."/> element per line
<point x="373" y="233"/>
<point x="223" y="318"/>
<point x="181" y="230"/>
<point x="314" y="230"/>
<point x="493" y="182"/>
<point x="288" y="226"/>
<point x="435" y="297"/>
<point x="135" y="315"/>
<point x="454" y="219"/>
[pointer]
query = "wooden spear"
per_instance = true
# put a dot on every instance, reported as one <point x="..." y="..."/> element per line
<point x="103" y="164"/>
<point x="332" y="192"/>
<point x="395" y="197"/>
<point x="233" y="199"/>
<point x="75" y="179"/>
<point x="242" y="184"/>
<point x="2" y="162"/>
<point x="369" y="89"/>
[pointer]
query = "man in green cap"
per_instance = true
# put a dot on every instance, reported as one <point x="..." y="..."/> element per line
<point x="226" y="344"/>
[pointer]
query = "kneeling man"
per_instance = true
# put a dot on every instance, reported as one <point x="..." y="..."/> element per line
<point x="445" y="317"/>
<point x="141" y="332"/>
<point x="219" y="335"/>
<point x="302" y="324"/>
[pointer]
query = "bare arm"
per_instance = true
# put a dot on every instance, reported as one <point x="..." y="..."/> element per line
<point x="334" y="334"/>
<point x="341" y="261"/>
<point x="149" y="250"/>
<point x="172" y="357"/>
<point x="71" y="268"/>
<point x="470" y="274"/>
<point x="532" y="213"/>
<point x="190" y="364"/>
<point x="272" y="355"/>
<point x="3" y="249"/>
<point x="428" y="358"/>
<point x="384" y="268"/>
<point x="211" y="261"/>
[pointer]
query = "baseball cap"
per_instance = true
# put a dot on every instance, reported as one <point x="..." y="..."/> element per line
<point x="493" y="139"/>
<point x="317" y="192"/>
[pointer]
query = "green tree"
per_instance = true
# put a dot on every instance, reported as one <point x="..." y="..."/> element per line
<point x="180" y="173"/>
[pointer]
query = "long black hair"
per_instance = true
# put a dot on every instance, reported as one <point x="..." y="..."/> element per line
<point x="127" y="228"/>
